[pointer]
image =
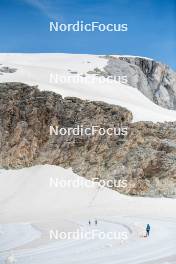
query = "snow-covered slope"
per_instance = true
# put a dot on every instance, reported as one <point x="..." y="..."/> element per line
<point x="69" y="69"/>
<point x="28" y="196"/>
<point x="30" y="206"/>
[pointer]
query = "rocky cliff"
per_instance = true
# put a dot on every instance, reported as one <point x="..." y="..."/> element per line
<point x="155" y="80"/>
<point x="146" y="157"/>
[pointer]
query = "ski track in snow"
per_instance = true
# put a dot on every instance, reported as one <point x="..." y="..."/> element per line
<point x="97" y="251"/>
<point x="114" y="212"/>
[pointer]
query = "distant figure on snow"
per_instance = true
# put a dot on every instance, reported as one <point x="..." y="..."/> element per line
<point x="89" y="222"/>
<point x="96" y="222"/>
<point x="147" y="230"/>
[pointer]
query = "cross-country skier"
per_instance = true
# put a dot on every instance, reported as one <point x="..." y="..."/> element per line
<point x="148" y="230"/>
<point x="96" y="222"/>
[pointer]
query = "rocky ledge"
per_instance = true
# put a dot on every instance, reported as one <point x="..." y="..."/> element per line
<point x="145" y="158"/>
<point x="155" y="80"/>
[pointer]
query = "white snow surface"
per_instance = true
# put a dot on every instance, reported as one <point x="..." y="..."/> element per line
<point x="31" y="205"/>
<point x="62" y="73"/>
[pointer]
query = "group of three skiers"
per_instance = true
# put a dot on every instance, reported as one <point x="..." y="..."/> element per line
<point x="11" y="259"/>
<point x="147" y="227"/>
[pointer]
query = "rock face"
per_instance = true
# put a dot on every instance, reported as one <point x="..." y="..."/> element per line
<point x="146" y="157"/>
<point x="5" y="69"/>
<point x="153" y="79"/>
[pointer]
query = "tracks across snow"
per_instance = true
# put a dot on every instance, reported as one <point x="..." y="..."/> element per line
<point x="136" y="250"/>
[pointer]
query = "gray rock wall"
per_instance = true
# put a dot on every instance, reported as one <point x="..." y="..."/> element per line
<point x="153" y="79"/>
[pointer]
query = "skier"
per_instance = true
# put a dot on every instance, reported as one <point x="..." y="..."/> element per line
<point x="147" y="230"/>
<point x="96" y="222"/>
<point x="89" y="222"/>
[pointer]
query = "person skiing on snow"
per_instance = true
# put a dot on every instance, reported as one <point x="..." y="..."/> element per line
<point x="96" y="222"/>
<point x="89" y="222"/>
<point x="148" y="230"/>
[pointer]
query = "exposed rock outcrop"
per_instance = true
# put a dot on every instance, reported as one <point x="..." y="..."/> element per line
<point x="155" y="80"/>
<point x="5" y="69"/>
<point x="146" y="157"/>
